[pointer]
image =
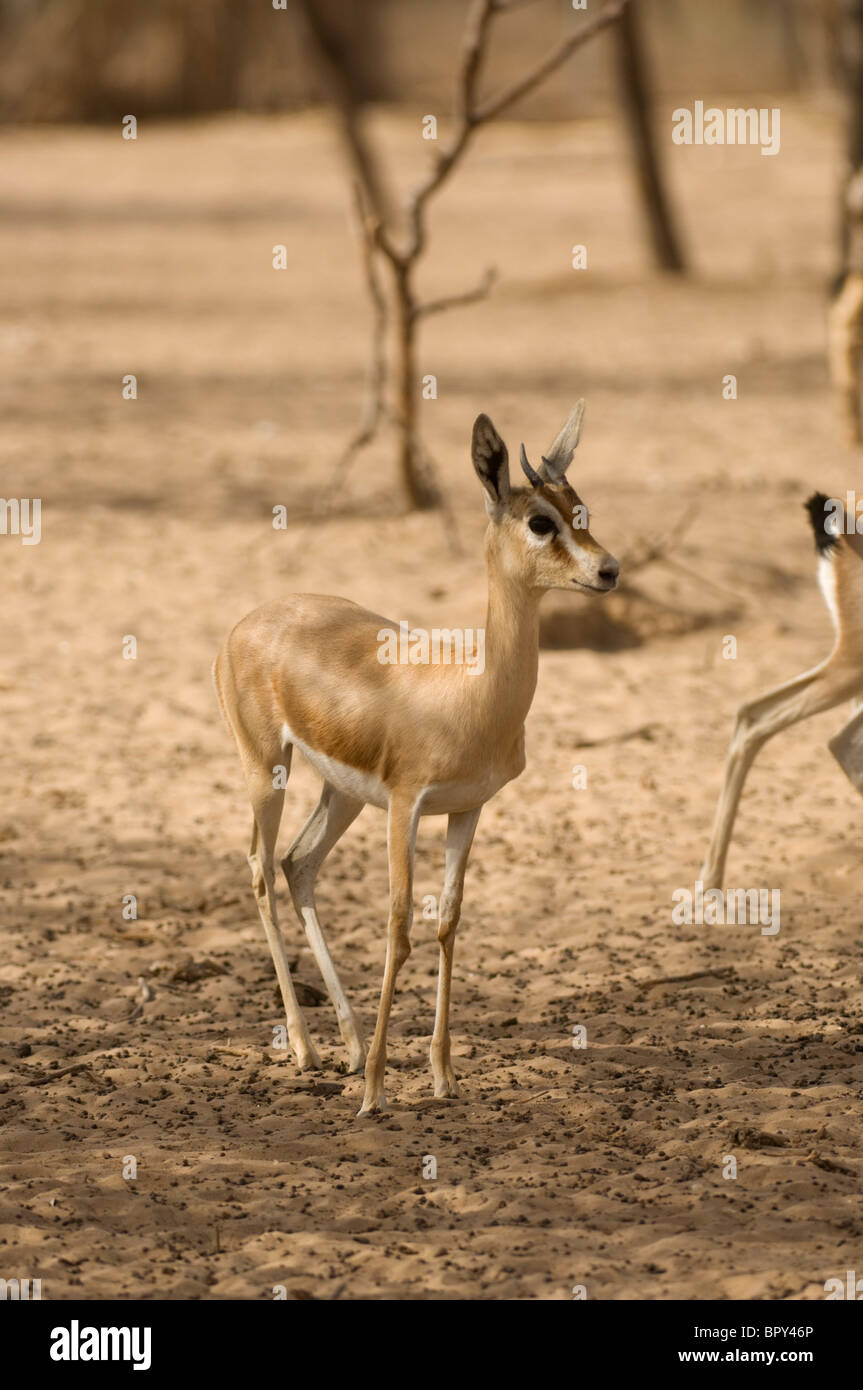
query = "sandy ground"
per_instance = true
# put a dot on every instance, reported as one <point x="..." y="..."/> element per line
<point x="600" y="1167"/>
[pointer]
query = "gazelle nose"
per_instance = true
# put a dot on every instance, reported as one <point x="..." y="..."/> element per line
<point x="609" y="571"/>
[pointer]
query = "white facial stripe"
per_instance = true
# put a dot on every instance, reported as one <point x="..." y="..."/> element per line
<point x="577" y="551"/>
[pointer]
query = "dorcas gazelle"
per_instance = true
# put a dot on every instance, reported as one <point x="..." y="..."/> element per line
<point x="833" y="681"/>
<point x="413" y="739"/>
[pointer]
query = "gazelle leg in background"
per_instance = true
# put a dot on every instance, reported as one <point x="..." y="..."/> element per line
<point x="327" y="823"/>
<point x="847" y="747"/>
<point x="401" y="843"/>
<point x="757" y="721"/>
<point x="845" y="317"/>
<point x="267" y="808"/>
<point x="459" y="838"/>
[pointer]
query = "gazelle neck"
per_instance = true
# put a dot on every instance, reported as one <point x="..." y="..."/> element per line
<point x="511" y="644"/>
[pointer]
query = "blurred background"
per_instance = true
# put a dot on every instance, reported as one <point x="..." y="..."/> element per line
<point x="240" y="101"/>
<point x="77" y="59"/>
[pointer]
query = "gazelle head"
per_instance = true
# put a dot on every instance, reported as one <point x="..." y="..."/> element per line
<point x="540" y="533"/>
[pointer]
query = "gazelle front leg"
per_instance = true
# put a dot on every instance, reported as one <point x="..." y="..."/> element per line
<point x="459" y="838"/>
<point x="401" y="841"/>
<point x="757" y="721"/>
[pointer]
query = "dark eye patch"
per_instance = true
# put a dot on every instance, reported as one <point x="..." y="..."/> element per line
<point x="541" y="525"/>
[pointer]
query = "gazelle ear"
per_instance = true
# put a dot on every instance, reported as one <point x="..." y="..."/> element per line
<point x="491" y="461"/>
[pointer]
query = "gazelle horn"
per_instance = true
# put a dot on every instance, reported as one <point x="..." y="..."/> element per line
<point x="531" y="474"/>
<point x="560" y="454"/>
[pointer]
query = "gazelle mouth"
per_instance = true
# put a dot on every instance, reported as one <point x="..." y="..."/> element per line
<point x="595" y="588"/>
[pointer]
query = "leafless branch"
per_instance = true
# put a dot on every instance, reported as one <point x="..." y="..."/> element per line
<point x="402" y="243"/>
<point x="471" y="115"/>
<point x="473" y="51"/>
<point x="553" y="60"/>
<point x="655" y="550"/>
<point x="454" y="301"/>
<point x="702" y="578"/>
<point x="643" y="731"/>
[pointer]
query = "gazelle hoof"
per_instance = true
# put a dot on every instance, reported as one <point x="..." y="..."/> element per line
<point x="709" y="878"/>
<point x="356" y="1050"/>
<point x="377" y="1106"/>
<point x="308" y="1059"/>
<point x="446" y="1089"/>
<point x="443" y="1075"/>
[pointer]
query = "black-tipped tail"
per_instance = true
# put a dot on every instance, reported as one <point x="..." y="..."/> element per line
<point x="825" y="540"/>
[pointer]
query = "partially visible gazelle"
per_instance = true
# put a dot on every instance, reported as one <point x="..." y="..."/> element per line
<point x="416" y="740"/>
<point x="831" y="682"/>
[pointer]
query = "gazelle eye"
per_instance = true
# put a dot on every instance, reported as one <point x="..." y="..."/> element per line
<point x="541" y="525"/>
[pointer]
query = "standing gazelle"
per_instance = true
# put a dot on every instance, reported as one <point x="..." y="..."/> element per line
<point x="305" y="672"/>
<point x="836" y="679"/>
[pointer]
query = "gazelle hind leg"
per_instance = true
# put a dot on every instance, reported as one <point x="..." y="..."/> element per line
<point x="459" y="838"/>
<point x="267" y="808"/>
<point x="756" y="722"/>
<point x="325" y="826"/>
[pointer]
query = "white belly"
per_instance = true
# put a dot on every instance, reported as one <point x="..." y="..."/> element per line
<point x="364" y="786"/>
<point x="440" y="799"/>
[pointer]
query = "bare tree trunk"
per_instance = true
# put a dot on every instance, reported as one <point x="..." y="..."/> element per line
<point x="212" y="43"/>
<point x="405" y="385"/>
<point x="848" y="34"/>
<point x="339" y="70"/>
<point x="634" y="88"/>
<point x="791" y="23"/>
<point x="846" y="309"/>
<point x="844" y="356"/>
<point x="417" y="478"/>
<point x="852" y="61"/>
